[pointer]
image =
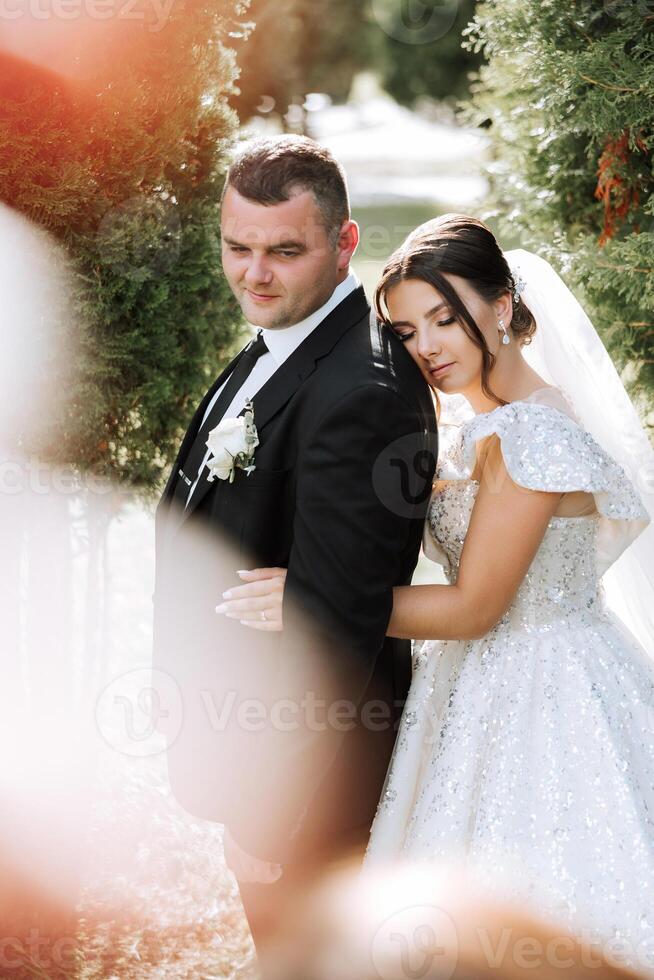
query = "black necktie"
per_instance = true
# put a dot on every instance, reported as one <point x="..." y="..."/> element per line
<point x="197" y="452"/>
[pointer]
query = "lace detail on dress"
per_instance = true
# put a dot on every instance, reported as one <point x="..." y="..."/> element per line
<point x="543" y="449"/>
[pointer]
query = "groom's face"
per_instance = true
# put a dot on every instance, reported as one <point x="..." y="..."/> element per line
<point x="278" y="259"/>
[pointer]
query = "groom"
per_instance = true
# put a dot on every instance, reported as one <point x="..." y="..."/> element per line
<point x="338" y="496"/>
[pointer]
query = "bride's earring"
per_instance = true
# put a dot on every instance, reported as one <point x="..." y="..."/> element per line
<point x="505" y="339"/>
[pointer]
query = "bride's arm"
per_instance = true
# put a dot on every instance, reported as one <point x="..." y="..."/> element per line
<point x="506" y="528"/>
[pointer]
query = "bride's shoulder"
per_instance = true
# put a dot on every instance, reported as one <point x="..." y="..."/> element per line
<point x="547" y="409"/>
<point x="544" y="447"/>
<point x="465" y="439"/>
<point x="552" y="397"/>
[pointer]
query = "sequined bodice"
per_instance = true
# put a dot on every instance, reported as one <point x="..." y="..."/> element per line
<point x="562" y="580"/>
<point x="543" y="448"/>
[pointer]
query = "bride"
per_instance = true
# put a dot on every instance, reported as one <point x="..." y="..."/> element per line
<point x="526" y="745"/>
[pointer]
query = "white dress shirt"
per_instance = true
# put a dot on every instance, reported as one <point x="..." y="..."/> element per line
<point x="281" y="342"/>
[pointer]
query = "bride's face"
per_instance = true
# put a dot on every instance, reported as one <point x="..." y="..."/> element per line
<point x="424" y="321"/>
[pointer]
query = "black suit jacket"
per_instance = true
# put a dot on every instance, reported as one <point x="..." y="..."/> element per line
<point x="339" y="495"/>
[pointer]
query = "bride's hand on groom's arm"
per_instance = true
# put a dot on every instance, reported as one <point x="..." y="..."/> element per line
<point x="258" y="603"/>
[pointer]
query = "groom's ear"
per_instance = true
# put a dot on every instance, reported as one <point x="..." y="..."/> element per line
<point x="348" y="239"/>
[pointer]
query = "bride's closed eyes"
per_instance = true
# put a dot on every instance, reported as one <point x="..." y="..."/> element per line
<point x="407" y="335"/>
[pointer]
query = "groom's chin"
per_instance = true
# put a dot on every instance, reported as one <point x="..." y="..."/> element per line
<point x="263" y="315"/>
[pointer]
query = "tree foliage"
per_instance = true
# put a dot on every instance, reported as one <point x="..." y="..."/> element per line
<point x="424" y="57"/>
<point x="125" y="169"/>
<point x="295" y="47"/>
<point x="568" y="95"/>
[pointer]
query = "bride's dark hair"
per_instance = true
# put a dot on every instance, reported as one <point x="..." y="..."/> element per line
<point x="466" y="247"/>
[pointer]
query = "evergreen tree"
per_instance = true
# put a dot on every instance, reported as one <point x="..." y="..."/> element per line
<point x="568" y="95"/>
<point x="341" y="39"/>
<point x="267" y="53"/>
<point x="424" y="56"/>
<point x="294" y="47"/>
<point x="126" y="169"/>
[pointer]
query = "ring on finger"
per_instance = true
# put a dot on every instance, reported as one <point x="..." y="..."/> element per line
<point x="263" y="614"/>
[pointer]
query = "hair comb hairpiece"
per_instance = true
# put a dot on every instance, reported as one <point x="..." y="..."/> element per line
<point x="519" y="285"/>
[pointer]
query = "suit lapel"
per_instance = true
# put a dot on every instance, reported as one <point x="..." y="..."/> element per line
<point x="296" y="369"/>
<point x="194" y="425"/>
<point x="302" y="362"/>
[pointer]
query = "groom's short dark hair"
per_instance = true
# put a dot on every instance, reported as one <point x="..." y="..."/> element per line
<point x="270" y="170"/>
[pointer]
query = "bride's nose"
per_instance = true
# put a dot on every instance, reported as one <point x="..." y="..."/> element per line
<point x="428" y="343"/>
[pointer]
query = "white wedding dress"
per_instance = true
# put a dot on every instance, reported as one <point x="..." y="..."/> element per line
<point x="528" y="755"/>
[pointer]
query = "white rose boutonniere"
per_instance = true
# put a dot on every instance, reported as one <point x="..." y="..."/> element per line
<point x="232" y="444"/>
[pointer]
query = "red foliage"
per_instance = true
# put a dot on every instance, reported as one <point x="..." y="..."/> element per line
<point x="616" y="187"/>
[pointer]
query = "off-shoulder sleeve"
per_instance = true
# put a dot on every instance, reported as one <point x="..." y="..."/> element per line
<point x="545" y="449"/>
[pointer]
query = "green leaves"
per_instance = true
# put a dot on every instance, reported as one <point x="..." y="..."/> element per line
<point x="569" y="88"/>
<point x="126" y="171"/>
